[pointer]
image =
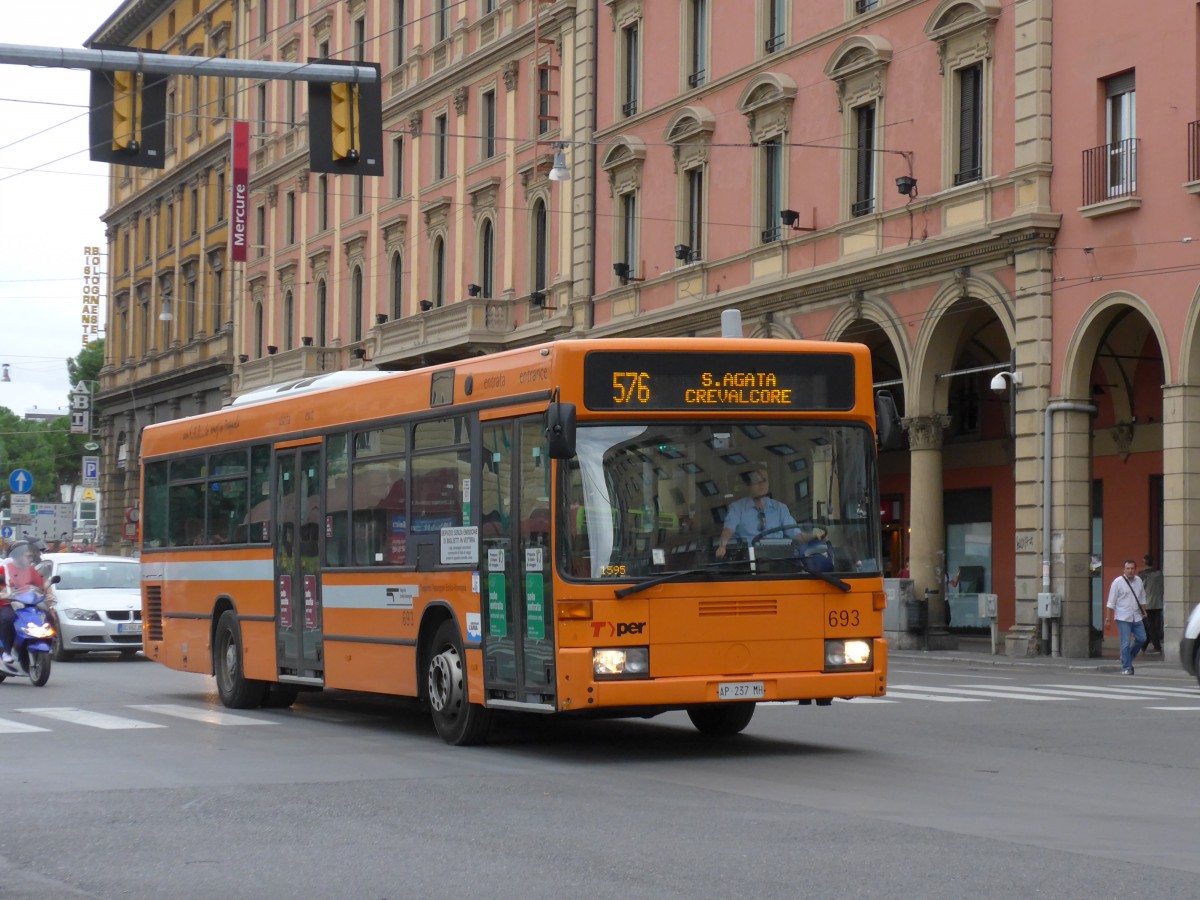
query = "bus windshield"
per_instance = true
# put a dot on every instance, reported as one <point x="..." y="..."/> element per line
<point x="645" y="500"/>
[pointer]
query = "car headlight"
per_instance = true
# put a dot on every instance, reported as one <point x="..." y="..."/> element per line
<point x="847" y="654"/>
<point x="621" y="662"/>
<point x="82" y="615"/>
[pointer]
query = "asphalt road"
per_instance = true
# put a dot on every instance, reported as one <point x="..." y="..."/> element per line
<point x="124" y="779"/>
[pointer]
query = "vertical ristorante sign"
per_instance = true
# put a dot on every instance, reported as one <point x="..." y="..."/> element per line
<point x="239" y="199"/>
<point x="90" y="318"/>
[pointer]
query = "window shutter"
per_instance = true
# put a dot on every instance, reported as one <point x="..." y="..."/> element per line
<point x="1119" y="84"/>
<point x="969" y="121"/>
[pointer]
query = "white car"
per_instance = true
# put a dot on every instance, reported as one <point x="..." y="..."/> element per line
<point x="99" y="603"/>
<point x="1189" y="644"/>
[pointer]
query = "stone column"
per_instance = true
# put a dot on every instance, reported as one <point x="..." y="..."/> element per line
<point x="927" y="541"/>
<point x="1181" y="509"/>
<point x="1071" y="528"/>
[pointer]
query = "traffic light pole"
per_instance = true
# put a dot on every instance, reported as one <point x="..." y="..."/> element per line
<point x="171" y="64"/>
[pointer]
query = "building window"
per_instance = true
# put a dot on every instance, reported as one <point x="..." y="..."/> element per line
<point x="441" y="147"/>
<point x="323" y="50"/>
<point x="487" y="258"/>
<point x="289" y="218"/>
<point x="776" y="25"/>
<point x="217" y="283"/>
<point x="322" y="314"/>
<point x="360" y="40"/>
<point x="170" y="223"/>
<point x="970" y="123"/>
<point x="359" y="195"/>
<point x="260" y="228"/>
<point x="864" y="160"/>
<point x="439" y="272"/>
<point x="397" y="287"/>
<point x="441" y="20"/>
<point x="398" y="167"/>
<point x="772" y="187"/>
<point x="195" y="211"/>
<point x="125" y="250"/>
<point x="291" y="104"/>
<point x="261" y="107"/>
<point x="258" y="330"/>
<point x="289" y="320"/>
<point x="1121" y="127"/>
<point x="263" y="23"/>
<point x="628" y="242"/>
<point x="356" y="302"/>
<point x="697" y="43"/>
<point x="695" y="214"/>
<point x="864" y="6"/>
<point x="400" y="23"/>
<point x="488" y="113"/>
<point x="629" y="69"/>
<point x="543" y="100"/>
<point x="322" y="202"/>
<point x="189" y="311"/>
<point x="541" y="245"/>
<point x="292" y="10"/>
<point x="221" y="200"/>
<point x="146" y="242"/>
<point x="194" y="96"/>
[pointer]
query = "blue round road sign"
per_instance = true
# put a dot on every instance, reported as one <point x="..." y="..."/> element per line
<point x="20" y="481"/>
<point x="7" y="532"/>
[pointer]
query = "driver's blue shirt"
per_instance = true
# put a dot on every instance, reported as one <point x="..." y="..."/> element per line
<point x="745" y="519"/>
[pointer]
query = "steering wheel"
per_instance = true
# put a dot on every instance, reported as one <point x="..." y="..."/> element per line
<point x="824" y="532"/>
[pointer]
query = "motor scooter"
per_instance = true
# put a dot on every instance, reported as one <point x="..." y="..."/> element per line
<point x="34" y="637"/>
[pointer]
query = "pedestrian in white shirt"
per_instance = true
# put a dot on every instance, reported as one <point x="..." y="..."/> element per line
<point x="1127" y="604"/>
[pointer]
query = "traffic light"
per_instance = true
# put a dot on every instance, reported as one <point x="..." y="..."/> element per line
<point x="345" y="132"/>
<point x="125" y="108"/>
<point x="127" y="117"/>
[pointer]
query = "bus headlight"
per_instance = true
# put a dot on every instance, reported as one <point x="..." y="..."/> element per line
<point x="847" y="655"/>
<point x="621" y="662"/>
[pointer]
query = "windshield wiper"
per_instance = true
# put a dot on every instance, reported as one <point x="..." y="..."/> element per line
<point x="713" y="568"/>
<point x="710" y="569"/>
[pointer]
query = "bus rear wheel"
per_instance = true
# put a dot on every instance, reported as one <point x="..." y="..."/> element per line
<point x="235" y="689"/>
<point x="730" y="719"/>
<point x="458" y="721"/>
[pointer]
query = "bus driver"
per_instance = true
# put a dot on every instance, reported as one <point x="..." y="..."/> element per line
<point x="756" y="513"/>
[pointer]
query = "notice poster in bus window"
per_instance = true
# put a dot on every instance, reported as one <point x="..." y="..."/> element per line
<point x="497" y="605"/>
<point x="310" y="602"/>
<point x="459" y="546"/>
<point x="535" y="608"/>
<point x="397" y="540"/>
<point x="285" y="601"/>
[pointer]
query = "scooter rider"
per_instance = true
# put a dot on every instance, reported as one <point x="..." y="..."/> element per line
<point x="19" y="575"/>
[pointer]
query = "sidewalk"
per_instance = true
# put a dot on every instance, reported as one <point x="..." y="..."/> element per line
<point x="978" y="653"/>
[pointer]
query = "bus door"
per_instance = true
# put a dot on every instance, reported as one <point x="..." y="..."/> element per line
<point x="298" y="619"/>
<point x="518" y="614"/>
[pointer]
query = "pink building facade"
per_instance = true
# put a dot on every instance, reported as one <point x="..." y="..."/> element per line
<point x="966" y="186"/>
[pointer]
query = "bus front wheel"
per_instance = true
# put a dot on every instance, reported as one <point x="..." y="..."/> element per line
<point x="235" y="689"/>
<point x="730" y="719"/>
<point x="458" y="721"/>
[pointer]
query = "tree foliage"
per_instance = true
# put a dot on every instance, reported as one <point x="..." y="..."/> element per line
<point x="47" y="449"/>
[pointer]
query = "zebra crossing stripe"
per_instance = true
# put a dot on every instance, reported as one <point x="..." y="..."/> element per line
<point x="89" y="718"/>
<point x="1084" y="693"/>
<point x="208" y="716"/>
<point x="1007" y="693"/>
<point x="916" y="695"/>
<point x="8" y="726"/>
<point x="1151" y="689"/>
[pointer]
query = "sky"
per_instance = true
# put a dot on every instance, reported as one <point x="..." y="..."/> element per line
<point x="50" y="214"/>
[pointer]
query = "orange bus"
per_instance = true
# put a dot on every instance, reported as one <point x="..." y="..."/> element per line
<point x="567" y="528"/>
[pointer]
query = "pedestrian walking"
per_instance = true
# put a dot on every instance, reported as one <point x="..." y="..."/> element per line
<point x="1152" y="580"/>
<point x="1126" y="604"/>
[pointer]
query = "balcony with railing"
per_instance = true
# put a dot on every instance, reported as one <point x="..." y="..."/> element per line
<point x="288" y="365"/>
<point x="470" y="326"/>
<point x="1110" y="178"/>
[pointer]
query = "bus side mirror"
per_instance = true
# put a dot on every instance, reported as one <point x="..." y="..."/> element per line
<point x="560" y="429"/>
<point x="887" y="421"/>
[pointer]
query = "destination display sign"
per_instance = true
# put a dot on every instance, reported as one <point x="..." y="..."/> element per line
<point x="718" y="381"/>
